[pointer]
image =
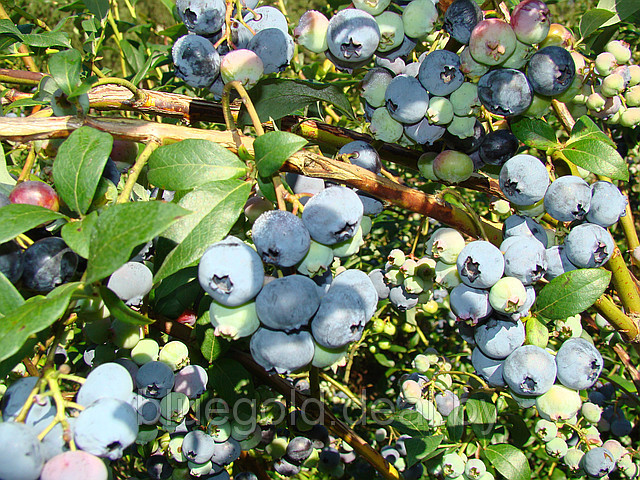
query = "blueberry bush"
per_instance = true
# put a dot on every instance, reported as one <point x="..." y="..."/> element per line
<point x="390" y="239"/>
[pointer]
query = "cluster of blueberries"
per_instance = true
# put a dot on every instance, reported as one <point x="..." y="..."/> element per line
<point x="121" y="403"/>
<point x="591" y="455"/>
<point x="612" y="93"/>
<point x="254" y="43"/>
<point x="441" y="92"/>
<point x="304" y="316"/>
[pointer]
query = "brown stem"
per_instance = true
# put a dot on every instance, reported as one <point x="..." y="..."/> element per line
<point x="110" y="97"/>
<point x="305" y="162"/>
<point x="564" y="115"/>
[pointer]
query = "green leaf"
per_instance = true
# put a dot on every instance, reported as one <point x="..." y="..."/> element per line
<point x="410" y="422"/>
<point x="534" y="133"/>
<point x="33" y="316"/>
<point x="7" y="182"/>
<point x="419" y="448"/>
<point x="482" y="415"/>
<point x="118" y="309"/>
<point x="217" y="206"/>
<point x="598" y="157"/>
<point x="623" y="9"/>
<point x="277" y="97"/>
<point x="572" y="292"/>
<point x="10" y="297"/>
<point x="99" y="8"/>
<point x="26" y="350"/>
<point x="592" y="20"/>
<point x="41" y="39"/>
<point x="509" y="461"/>
<point x="77" y="235"/>
<point x="230" y="380"/>
<point x="536" y="333"/>
<point x="17" y="218"/>
<point x="121" y="228"/>
<point x="455" y="423"/>
<point x="65" y="69"/>
<point x="78" y="166"/>
<point x="382" y="359"/>
<point x="211" y="347"/>
<point x="273" y="148"/>
<point x="192" y="162"/>
<point x="586" y="128"/>
<point x="518" y="429"/>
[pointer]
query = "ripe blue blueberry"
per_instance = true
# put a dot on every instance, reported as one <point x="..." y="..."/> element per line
<point x="498" y="337"/>
<point x="49" y="262"/>
<point x="598" y="462"/>
<point x="608" y="204"/>
<point x="20" y="456"/>
<point x="557" y="262"/>
<point x="231" y="272"/>
<point x="11" y="261"/>
<point x="203" y="17"/>
<point x="526" y="260"/>
<point x="529" y="370"/>
<point x="424" y="132"/>
<point x="505" y="91"/>
<point x="340" y="319"/>
<point x="406" y="100"/>
<point x="480" y="264"/>
<point x="197" y="446"/>
<point x="333" y="215"/>
<point x="288" y="303"/>
<point x="106" y="427"/>
<point x="274" y="47"/>
<point x="440" y="73"/>
<point x="468" y="303"/>
<point x="551" y="71"/>
<point x="281" y="352"/>
<point x="579" y="364"/>
<point x="280" y="238"/>
<point x="588" y="245"/>
<point x="352" y="36"/>
<point x="460" y="19"/>
<point x="521" y="226"/>
<point x="266" y="17"/>
<point x="488" y="368"/>
<point x="108" y="380"/>
<point x="363" y="155"/>
<point x="498" y="147"/>
<point x="524" y="179"/>
<point x="196" y="61"/>
<point x="155" y="379"/>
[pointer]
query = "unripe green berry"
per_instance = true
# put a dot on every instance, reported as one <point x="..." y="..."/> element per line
<point x="474" y="468"/>
<point x="384" y="127"/>
<point x="591" y="412"/>
<point x="556" y="447"/>
<point x="634" y="72"/>
<point x="605" y="63"/>
<point x="620" y="50"/>
<point x="632" y="96"/>
<point x="596" y="102"/>
<point x="612" y="85"/>
<point x="465" y="99"/>
<point x="411" y="391"/>
<point x="317" y="260"/>
<point x="545" y="430"/>
<point x="572" y="459"/>
<point x="452" y="166"/>
<point x="396" y="257"/>
<point x="440" y="111"/>
<point x="425" y="164"/>
<point x="462" y="127"/>
<point x="558" y="403"/>
<point x="507" y="295"/>
<point x="452" y="465"/>
<point x="630" y="117"/>
<point x="445" y="244"/>
<point x="447" y="275"/>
